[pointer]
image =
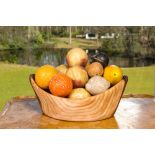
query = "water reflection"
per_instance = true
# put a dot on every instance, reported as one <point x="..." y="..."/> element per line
<point x="56" y="57"/>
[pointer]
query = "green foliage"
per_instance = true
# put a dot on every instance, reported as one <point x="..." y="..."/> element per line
<point x="4" y="44"/>
<point x="136" y="47"/>
<point x="108" y="45"/>
<point x="113" y="45"/>
<point x="131" y="41"/>
<point x="12" y="59"/>
<point x="129" y="44"/>
<point x="152" y="42"/>
<point x="37" y="38"/>
<point x="60" y="31"/>
<point x="13" y="43"/>
<point x="132" y="45"/>
<point x="75" y="33"/>
<point x="64" y="34"/>
<point x="44" y="35"/>
<point x="17" y="43"/>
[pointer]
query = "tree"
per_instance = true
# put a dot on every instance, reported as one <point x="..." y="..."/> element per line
<point x="70" y="35"/>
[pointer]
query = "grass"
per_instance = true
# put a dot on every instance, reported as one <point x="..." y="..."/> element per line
<point x="56" y="42"/>
<point x="141" y="80"/>
<point x="76" y="42"/>
<point x="14" y="81"/>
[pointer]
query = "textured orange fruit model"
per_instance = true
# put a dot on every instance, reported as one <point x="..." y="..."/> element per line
<point x="113" y="74"/>
<point x="60" y="85"/>
<point x="44" y="74"/>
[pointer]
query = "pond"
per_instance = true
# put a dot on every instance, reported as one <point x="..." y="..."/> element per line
<point x="56" y="57"/>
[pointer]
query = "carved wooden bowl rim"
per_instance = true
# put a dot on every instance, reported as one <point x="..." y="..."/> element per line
<point x="31" y="78"/>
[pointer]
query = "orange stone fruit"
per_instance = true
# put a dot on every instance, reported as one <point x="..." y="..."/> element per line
<point x="44" y="74"/>
<point x="61" y="85"/>
<point x="113" y="74"/>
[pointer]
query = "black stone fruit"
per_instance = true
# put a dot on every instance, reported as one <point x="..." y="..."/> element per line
<point x="100" y="57"/>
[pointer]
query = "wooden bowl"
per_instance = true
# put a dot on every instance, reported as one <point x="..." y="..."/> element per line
<point x="93" y="108"/>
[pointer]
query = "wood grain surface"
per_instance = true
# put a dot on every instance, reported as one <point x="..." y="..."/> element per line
<point x="92" y="108"/>
<point x="132" y="112"/>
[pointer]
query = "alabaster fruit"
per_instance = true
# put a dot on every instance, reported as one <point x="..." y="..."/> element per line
<point x="78" y="75"/>
<point x="62" y="68"/>
<point x="76" y="56"/>
<point x="79" y="93"/>
<point x="97" y="85"/>
<point x="95" y="69"/>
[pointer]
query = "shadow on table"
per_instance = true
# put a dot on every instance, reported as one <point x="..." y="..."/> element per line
<point x="47" y="123"/>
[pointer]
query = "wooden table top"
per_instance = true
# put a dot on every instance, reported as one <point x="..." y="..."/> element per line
<point x="133" y="112"/>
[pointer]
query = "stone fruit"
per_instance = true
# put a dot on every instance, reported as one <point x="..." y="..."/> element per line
<point x="97" y="85"/>
<point x="60" y="85"/>
<point x="95" y="69"/>
<point x="62" y="68"/>
<point x="76" y="56"/>
<point x="78" y="75"/>
<point x="44" y="74"/>
<point x="87" y="65"/>
<point x="100" y="57"/>
<point x="79" y="93"/>
<point x="113" y="74"/>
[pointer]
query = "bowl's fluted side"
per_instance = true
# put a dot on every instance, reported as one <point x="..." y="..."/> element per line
<point x="93" y="108"/>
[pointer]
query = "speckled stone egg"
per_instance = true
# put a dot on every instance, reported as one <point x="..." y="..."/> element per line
<point x="97" y="85"/>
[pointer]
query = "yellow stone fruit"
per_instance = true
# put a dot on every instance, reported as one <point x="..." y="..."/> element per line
<point x="113" y="74"/>
<point x="62" y="68"/>
<point x="79" y="93"/>
<point x="44" y="74"/>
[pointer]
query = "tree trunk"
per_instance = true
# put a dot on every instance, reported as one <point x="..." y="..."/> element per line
<point x="70" y="35"/>
<point x="29" y="32"/>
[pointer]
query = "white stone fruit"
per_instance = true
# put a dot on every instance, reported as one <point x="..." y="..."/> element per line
<point x="78" y="75"/>
<point x="76" y="56"/>
<point x="97" y="85"/>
